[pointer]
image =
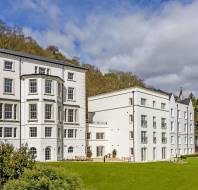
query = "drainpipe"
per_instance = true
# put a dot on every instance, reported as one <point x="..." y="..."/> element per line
<point x="187" y="129"/>
<point x="177" y="130"/>
<point x="62" y="136"/>
<point x="20" y="141"/>
<point x="133" y="129"/>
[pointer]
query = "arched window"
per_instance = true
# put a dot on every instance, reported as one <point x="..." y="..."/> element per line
<point x="47" y="153"/>
<point x="33" y="151"/>
<point x="70" y="149"/>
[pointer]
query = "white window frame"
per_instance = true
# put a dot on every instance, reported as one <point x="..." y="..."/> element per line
<point x="8" y="87"/>
<point x="144" y="121"/>
<point x="8" y="132"/>
<point x="163" y="106"/>
<point x="143" y="101"/>
<point x="48" y="111"/>
<point x="33" y="86"/>
<point x="70" y="149"/>
<point x="100" y="151"/>
<point x="8" y="112"/>
<point x="8" y="69"/>
<point x="130" y="118"/>
<point x="1" y="111"/>
<point x="70" y="133"/>
<point x="48" y="86"/>
<point x="71" y="93"/>
<point x="70" y="115"/>
<point x="131" y="135"/>
<point x="48" y="153"/>
<point x="100" y="136"/>
<point x="48" y="132"/>
<point x="70" y="78"/>
<point x="33" y="132"/>
<point x="33" y="112"/>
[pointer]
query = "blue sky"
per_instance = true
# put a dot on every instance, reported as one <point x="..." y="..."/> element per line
<point x="155" y="39"/>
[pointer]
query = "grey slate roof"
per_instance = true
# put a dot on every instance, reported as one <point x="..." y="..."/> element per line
<point x="39" y="58"/>
<point x="184" y="101"/>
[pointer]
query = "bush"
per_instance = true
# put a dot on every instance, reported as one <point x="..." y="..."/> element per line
<point x="114" y="153"/>
<point x="13" y="162"/>
<point x="44" y="179"/>
<point x="89" y="153"/>
<point x="191" y="155"/>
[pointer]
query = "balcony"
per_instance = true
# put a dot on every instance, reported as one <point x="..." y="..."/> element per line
<point x="144" y="124"/>
<point x="164" y="125"/>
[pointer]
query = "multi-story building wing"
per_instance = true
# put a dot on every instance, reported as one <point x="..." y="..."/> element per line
<point x="181" y="127"/>
<point x="42" y="105"/>
<point x="138" y="125"/>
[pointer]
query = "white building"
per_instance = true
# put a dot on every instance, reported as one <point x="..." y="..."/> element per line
<point x="140" y="124"/>
<point x="42" y="105"/>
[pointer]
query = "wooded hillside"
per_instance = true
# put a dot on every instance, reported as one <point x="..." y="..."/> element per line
<point x="13" y="38"/>
<point x="96" y="82"/>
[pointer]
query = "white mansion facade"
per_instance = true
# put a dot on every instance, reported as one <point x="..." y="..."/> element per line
<point x="42" y="105"/>
<point x="140" y="124"/>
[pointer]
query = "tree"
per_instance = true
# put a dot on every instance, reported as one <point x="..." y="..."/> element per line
<point x="13" y="162"/>
<point x="96" y="82"/>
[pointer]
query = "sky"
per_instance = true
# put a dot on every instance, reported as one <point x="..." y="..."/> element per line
<point x="156" y="40"/>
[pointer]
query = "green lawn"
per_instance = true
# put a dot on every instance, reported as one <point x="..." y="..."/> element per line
<point x="129" y="176"/>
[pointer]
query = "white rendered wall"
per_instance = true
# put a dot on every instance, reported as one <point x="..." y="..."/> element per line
<point x="41" y="142"/>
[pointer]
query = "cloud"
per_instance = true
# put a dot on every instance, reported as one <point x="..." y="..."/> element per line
<point x="159" y="46"/>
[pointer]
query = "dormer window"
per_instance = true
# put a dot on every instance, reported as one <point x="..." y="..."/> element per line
<point x="41" y="70"/>
<point x="35" y="69"/>
<point x="48" y="71"/>
<point x="8" y="65"/>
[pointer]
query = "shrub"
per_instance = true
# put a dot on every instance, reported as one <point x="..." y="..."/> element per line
<point x="114" y="153"/>
<point x="44" y="179"/>
<point x="89" y="153"/>
<point x="13" y="162"/>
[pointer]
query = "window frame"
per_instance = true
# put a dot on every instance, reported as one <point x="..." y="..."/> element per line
<point x="48" y="153"/>
<point x="33" y="89"/>
<point x="8" y="69"/>
<point x="8" y="112"/>
<point x="48" y="111"/>
<point x="8" y="132"/>
<point x="70" y="150"/>
<point x="100" y="135"/>
<point x="68" y="76"/>
<point x="70" y="94"/>
<point x="48" y="86"/>
<point x="33" y="132"/>
<point x="48" y="132"/>
<point x="34" y="112"/>
<point x="8" y="89"/>
<point x="143" y="102"/>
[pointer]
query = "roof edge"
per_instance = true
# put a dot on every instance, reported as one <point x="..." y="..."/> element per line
<point x="39" y="58"/>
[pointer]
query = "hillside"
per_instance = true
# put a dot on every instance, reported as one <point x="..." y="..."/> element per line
<point x="96" y="82"/>
<point x="13" y="38"/>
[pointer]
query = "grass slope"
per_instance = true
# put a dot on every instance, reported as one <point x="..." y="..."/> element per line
<point x="129" y="176"/>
